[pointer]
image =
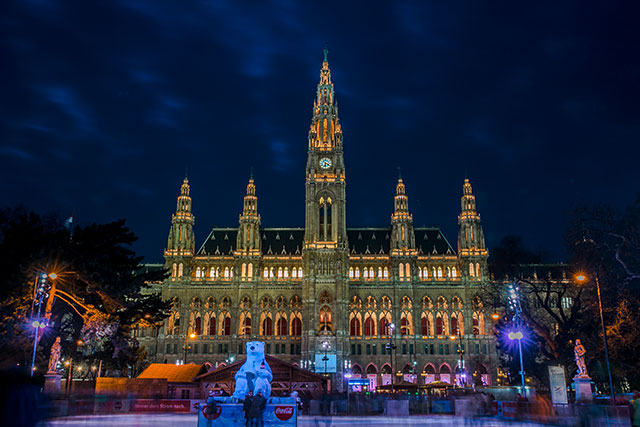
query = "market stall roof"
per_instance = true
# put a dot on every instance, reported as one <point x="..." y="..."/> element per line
<point x="173" y="373"/>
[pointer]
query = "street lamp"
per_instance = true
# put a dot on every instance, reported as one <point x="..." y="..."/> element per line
<point x="463" y="375"/>
<point x="581" y="278"/>
<point x="186" y="345"/>
<point x="517" y="335"/>
<point x="391" y="346"/>
<point x="325" y="359"/>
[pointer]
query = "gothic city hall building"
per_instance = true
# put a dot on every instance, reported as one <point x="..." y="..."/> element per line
<point x="396" y="301"/>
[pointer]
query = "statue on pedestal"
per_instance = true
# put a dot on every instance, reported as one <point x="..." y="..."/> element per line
<point x="54" y="358"/>
<point x="579" y="353"/>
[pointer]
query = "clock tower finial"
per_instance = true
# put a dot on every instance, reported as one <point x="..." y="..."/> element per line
<point x="326" y="52"/>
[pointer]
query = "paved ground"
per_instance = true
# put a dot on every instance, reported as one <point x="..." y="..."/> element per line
<point x="190" y="420"/>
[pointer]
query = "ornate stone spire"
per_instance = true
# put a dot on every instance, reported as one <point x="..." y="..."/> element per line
<point x="248" y="240"/>
<point x="471" y="244"/>
<point x="181" y="242"/>
<point x="402" y="235"/>
<point x="325" y="132"/>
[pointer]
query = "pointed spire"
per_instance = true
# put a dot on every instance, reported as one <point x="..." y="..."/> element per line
<point x="468" y="201"/>
<point x="470" y="234"/>
<point x="248" y="238"/>
<point x="181" y="241"/>
<point x="326" y="52"/>
<point x="399" y="173"/>
<point x="325" y="131"/>
<point x="402" y="234"/>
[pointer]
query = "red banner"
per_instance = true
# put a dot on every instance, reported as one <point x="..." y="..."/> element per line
<point x="163" y="405"/>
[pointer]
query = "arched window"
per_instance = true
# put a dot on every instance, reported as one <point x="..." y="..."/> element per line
<point x="265" y="273"/>
<point x="180" y="270"/>
<point x="472" y="272"/>
<point x="478" y="323"/>
<point x="354" y="326"/>
<point x="296" y="324"/>
<point x="286" y="272"/>
<point x="279" y="272"/>
<point x="325" y="319"/>
<point x="210" y="323"/>
<point x="225" y="324"/>
<point x="380" y="273"/>
<point x="372" y="273"/>
<point x="282" y="328"/>
<point x="439" y="272"/>
<point x="454" y="324"/>
<point x="433" y="273"/>
<point x="386" y="272"/>
<point x="477" y="270"/>
<point x="245" y="323"/>
<point x="299" y="272"/>
<point x="271" y="275"/>
<point x="250" y="271"/>
<point x="401" y="271"/>
<point x="383" y="323"/>
<point x="407" y="271"/>
<point x="243" y="271"/>
<point x="174" y="323"/>
<point x="439" y="325"/>
<point x="424" y="325"/>
<point x="448" y="271"/>
<point x="174" y="271"/>
<point x="350" y="272"/>
<point x="419" y="273"/>
<point x="406" y="327"/>
<point x="365" y="273"/>
<point x="370" y="325"/>
<point x="454" y="272"/>
<point x="267" y="324"/>
<point x="212" y="272"/>
<point x="226" y="272"/>
<point x="294" y="302"/>
<point x="357" y="273"/>
<point x="198" y="272"/>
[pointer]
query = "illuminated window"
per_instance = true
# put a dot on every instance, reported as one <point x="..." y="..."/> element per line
<point x="350" y="272"/>
<point x="279" y="272"/>
<point x="250" y="271"/>
<point x="325" y="319"/>
<point x="372" y="273"/>
<point x="448" y="271"/>
<point x="454" y="272"/>
<point x="477" y="270"/>
<point x="271" y="272"/>
<point x="433" y="272"/>
<point x="407" y="270"/>
<point x="370" y="324"/>
<point x="386" y="272"/>
<point x="420" y="273"/>
<point x="175" y="270"/>
<point x="439" y="272"/>
<point x="267" y="324"/>
<point x="366" y="273"/>
<point x="180" y="270"/>
<point x="282" y="327"/>
<point x="357" y="273"/>
<point x="401" y="271"/>
<point x="286" y="272"/>
<point x="243" y="271"/>
<point x="226" y="272"/>
<point x="354" y="326"/>
<point x="212" y="272"/>
<point x="380" y="272"/>
<point x="296" y="324"/>
<point x="472" y="272"/>
<point x="265" y="273"/>
<point x="299" y="272"/>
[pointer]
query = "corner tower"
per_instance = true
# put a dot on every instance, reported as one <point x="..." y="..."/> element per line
<point x="472" y="251"/>
<point x="403" y="240"/>
<point x="181" y="242"/>
<point x="248" y="241"/>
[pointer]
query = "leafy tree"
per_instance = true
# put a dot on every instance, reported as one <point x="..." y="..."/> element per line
<point x="98" y="292"/>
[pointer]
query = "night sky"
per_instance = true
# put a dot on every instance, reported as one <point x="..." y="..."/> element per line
<point x="104" y="104"/>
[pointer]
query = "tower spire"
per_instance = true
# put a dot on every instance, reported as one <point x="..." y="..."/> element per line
<point x="181" y="242"/>
<point x="402" y="234"/>
<point x="471" y="245"/>
<point x="248" y="240"/>
<point x="325" y="132"/>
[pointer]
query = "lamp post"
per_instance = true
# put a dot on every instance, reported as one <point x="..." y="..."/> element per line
<point x="391" y="346"/>
<point x="581" y="279"/>
<point x="463" y="375"/>
<point x="186" y="345"/>
<point x="325" y="359"/>
<point x="514" y="304"/>
<point x="517" y="335"/>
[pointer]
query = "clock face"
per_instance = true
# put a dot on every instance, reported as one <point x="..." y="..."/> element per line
<point x="325" y="163"/>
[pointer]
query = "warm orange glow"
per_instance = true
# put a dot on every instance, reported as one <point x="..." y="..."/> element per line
<point x="192" y="335"/>
<point x="80" y="342"/>
<point x="53" y="276"/>
<point x="580" y="277"/>
<point x="452" y="337"/>
<point x="495" y="316"/>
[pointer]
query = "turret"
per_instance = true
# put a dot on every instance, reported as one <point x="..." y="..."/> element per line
<point x="402" y="235"/>
<point x="181" y="243"/>
<point x="248" y="240"/>
<point x="471" y="247"/>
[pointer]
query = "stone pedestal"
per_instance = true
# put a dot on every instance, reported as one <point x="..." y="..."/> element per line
<point x="582" y="386"/>
<point x="52" y="383"/>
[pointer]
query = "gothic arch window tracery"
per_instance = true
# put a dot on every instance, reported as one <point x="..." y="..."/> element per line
<point x="282" y="327"/>
<point x="245" y="323"/>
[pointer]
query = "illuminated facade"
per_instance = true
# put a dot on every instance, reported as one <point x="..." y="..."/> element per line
<point x="329" y="290"/>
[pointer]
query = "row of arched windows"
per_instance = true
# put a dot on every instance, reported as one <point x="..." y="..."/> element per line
<point x="437" y="272"/>
<point x="246" y="272"/>
<point x="286" y="317"/>
<point x="404" y="272"/>
<point x="444" y="319"/>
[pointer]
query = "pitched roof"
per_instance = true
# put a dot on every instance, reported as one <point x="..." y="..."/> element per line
<point x="282" y="371"/>
<point x="289" y="241"/>
<point x="173" y="373"/>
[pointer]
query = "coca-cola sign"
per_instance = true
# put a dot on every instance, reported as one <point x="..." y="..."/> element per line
<point x="283" y="413"/>
<point x="209" y="414"/>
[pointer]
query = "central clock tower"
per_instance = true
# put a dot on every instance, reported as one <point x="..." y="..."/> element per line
<point x="325" y="252"/>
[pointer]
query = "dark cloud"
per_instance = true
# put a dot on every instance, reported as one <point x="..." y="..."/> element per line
<point x="105" y="104"/>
